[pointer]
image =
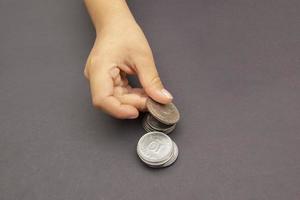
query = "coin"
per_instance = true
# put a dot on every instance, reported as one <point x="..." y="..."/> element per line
<point x="147" y="150"/>
<point x="155" y="147"/>
<point x="158" y="164"/>
<point x="165" y="113"/>
<point x="146" y="126"/>
<point x="151" y="124"/>
<point x="169" y="130"/>
<point x="154" y="123"/>
<point x="174" y="156"/>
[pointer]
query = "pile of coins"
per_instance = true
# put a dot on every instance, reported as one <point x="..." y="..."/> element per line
<point x="161" y="117"/>
<point x="156" y="149"/>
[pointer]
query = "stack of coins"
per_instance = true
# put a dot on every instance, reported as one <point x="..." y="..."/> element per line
<point x="157" y="150"/>
<point x="162" y="118"/>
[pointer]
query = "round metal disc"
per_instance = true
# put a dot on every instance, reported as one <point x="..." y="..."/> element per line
<point x="155" y="147"/>
<point x="174" y="156"/>
<point x="167" y="114"/>
<point x="153" y="122"/>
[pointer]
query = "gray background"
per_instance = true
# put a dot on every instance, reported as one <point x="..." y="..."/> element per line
<point x="232" y="65"/>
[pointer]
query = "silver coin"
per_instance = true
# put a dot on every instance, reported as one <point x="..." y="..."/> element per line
<point x="169" y="130"/>
<point x="155" y="152"/>
<point x="148" y="129"/>
<point x="166" y="163"/>
<point x="155" y="147"/>
<point x="166" y="131"/>
<point x="153" y="122"/>
<point x="157" y="164"/>
<point x="165" y="113"/>
<point x="174" y="156"/>
<point x="148" y="126"/>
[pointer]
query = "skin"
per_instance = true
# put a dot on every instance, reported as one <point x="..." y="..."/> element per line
<point x="120" y="49"/>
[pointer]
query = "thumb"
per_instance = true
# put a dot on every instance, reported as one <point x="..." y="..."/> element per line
<point x="149" y="78"/>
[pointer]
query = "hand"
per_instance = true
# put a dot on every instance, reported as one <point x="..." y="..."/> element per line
<point x="120" y="49"/>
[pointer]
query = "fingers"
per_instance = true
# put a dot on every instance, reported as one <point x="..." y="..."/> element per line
<point x="135" y="100"/>
<point x="131" y="96"/>
<point x="126" y="69"/>
<point x="124" y="93"/>
<point x="119" y="77"/>
<point x="102" y="87"/>
<point x="134" y="96"/>
<point x="151" y="82"/>
<point x="138" y="91"/>
<point x="111" y="92"/>
<point x="117" y="109"/>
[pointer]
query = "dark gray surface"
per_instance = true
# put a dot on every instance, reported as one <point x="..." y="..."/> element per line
<point x="233" y="67"/>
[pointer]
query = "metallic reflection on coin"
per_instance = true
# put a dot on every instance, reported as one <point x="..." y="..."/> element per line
<point x="156" y="124"/>
<point x="167" y="114"/>
<point x="155" y="147"/>
<point x="174" y="156"/>
<point x="157" y="150"/>
<point x="151" y="124"/>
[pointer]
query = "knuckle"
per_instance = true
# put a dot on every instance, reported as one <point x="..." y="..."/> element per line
<point x="97" y="101"/>
<point x="155" y="80"/>
<point x="92" y="62"/>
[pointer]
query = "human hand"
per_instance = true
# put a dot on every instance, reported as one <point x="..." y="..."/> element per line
<point x="121" y="49"/>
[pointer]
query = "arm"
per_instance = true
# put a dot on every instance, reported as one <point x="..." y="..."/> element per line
<point x="120" y="48"/>
<point x="108" y="12"/>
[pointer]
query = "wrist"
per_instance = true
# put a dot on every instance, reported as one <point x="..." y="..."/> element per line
<point x="116" y="25"/>
<point x="107" y="14"/>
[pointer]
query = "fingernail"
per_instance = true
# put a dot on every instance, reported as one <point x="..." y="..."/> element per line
<point x="133" y="117"/>
<point x="166" y="93"/>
